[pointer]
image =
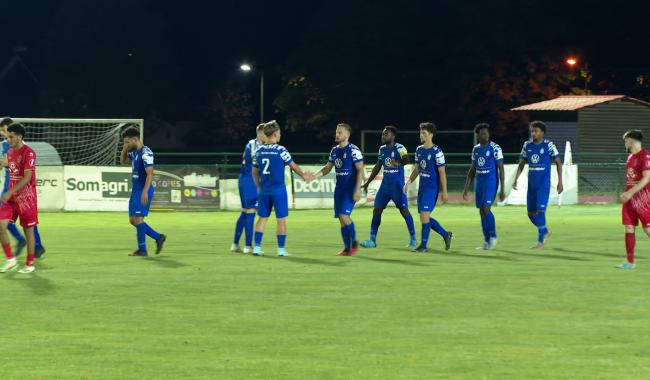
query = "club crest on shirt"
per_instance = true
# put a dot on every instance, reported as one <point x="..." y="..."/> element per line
<point x="392" y="154"/>
<point x="428" y="157"/>
<point x="487" y="153"/>
<point x="534" y="159"/>
<point x="541" y="151"/>
<point x="631" y="174"/>
<point x="345" y="155"/>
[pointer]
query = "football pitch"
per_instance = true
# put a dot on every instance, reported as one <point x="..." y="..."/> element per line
<point x="200" y="312"/>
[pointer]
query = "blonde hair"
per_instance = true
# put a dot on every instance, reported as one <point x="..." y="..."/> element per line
<point x="270" y="128"/>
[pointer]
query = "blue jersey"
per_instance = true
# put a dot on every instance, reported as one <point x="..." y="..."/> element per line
<point x="539" y="158"/>
<point x="486" y="160"/>
<point x="5" y="151"/>
<point x="429" y="160"/>
<point x="247" y="158"/>
<point x="270" y="160"/>
<point x="140" y="159"/>
<point x="392" y="174"/>
<point x="344" y="160"/>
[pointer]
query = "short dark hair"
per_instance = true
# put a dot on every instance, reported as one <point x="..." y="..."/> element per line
<point x="634" y="134"/>
<point x="538" y="124"/>
<point x="17" y="128"/>
<point x="392" y="129"/>
<point x="131" y="132"/>
<point x="271" y="127"/>
<point x="428" y="126"/>
<point x="6" y="121"/>
<point x="480" y="126"/>
<point x="344" y="125"/>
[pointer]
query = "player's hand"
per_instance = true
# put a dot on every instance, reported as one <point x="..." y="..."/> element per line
<point x="514" y="185"/>
<point x="465" y="197"/>
<point x="444" y="197"/>
<point x="560" y="188"/>
<point x="356" y="196"/>
<point x="406" y="188"/>
<point x="502" y="196"/>
<point x="144" y="198"/>
<point x="5" y="197"/>
<point x="624" y="197"/>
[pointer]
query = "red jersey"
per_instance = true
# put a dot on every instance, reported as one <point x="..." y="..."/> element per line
<point x="19" y="160"/>
<point x="636" y="164"/>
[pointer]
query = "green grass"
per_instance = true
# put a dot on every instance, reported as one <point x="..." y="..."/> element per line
<point x="198" y="312"/>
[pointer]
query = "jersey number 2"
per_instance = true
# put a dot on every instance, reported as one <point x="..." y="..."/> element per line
<point x="266" y="162"/>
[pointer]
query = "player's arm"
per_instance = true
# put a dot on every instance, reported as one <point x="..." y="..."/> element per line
<point x="324" y="170"/>
<point x="124" y="156"/>
<point x="256" y="176"/>
<point x="442" y="173"/>
<point x="558" y="165"/>
<point x="357" y="186"/>
<point x="18" y="186"/>
<point x="404" y="158"/>
<point x="502" y="179"/>
<point x="4" y="163"/>
<point x="144" y="198"/>
<point x="373" y="174"/>
<point x="520" y="169"/>
<point x="645" y="179"/>
<point x="305" y="176"/>
<point x="414" y="174"/>
<point x="468" y="182"/>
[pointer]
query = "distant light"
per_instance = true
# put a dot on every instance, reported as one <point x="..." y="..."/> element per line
<point x="571" y="61"/>
<point x="246" y="67"/>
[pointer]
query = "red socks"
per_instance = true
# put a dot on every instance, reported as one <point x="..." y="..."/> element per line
<point x="8" y="254"/>
<point x="630" y="242"/>
<point x="30" y="259"/>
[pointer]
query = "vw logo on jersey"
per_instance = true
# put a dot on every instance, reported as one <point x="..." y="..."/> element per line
<point x="534" y="159"/>
<point x="423" y="164"/>
<point x="338" y="163"/>
<point x="481" y="161"/>
<point x="387" y="161"/>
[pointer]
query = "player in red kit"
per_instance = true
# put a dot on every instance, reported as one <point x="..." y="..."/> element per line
<point x="19" y="202"/>
<point x="636" y="198"/>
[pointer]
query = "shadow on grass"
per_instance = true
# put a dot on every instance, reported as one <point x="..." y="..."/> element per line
<point x="590" y="253"/>
<point x="392" y="261"/>
<point x="165" y="262"/>
<point x="537" y="253"/>
<point x="488" y="256"/>
<point x="38" y="285"/>
<point x="307" y="260"/>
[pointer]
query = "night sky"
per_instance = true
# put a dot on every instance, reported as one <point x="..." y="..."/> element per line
<point x="176" y="64"/>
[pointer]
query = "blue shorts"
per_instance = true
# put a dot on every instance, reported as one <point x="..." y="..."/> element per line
<point x="136" y="208"/>
<point x="276" y="200"/>
<point x="247" y="194"/>
<point x="391" y="192"/>
<point x="427" y="199"/>
<point x="485" y="192"/>
<point x="537" y="199"/>
<point x="343" y="202"/>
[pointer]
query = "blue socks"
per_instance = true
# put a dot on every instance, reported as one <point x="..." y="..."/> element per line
<point x="258" y="238"/>
<point x="352" y="232"/>
<point x="239" y="227"/>
<point x="426" y="229"/>
<point x="345" y="235"/>
<point x="151" y="232"/>
<point x="539" y="220"/>
<point x="142" y="235"/>
<point x="491" y="225"/>
<point x="37" y="237"/>
<point x="16" y="233"/>
<point x="484" y="226"/>
<point x="410" y="225"/>
<point x="438" y="228"/>
<point x="374" y="226"/>
<point x="281" y="240"/>
<point x="249" y="226"/>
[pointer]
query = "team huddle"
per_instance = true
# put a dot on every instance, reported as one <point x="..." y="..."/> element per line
<point x="262" y="186"/>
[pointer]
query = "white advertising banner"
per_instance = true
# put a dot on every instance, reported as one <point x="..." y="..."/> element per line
<point x="97" y="188"/>
<point x="229" y="189"/>
<point x="50" y="187"/>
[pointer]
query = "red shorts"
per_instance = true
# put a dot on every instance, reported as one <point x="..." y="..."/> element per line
<point x="631" y="216"/>
<point x="11" y="211"/>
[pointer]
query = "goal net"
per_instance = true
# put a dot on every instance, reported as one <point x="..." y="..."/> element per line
<point x="94" y="142"/>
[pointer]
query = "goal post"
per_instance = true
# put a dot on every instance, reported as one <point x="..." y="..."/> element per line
<point x="91" y="142"/>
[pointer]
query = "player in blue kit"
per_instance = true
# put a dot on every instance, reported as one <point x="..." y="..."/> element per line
<point x="392" y="158"/>
<point x="430" y="166"/>
<point x="268" y="174"/>
<point x="141" y="159"/>
<point x="13" y="230"/>
<point x="347" y="161"/>
<point x="247" y="194"/>
<point x="539" y="153"/>
<point x="487" y="167"/>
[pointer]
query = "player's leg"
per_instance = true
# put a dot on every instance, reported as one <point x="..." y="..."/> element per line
<point x="31" y="250"/>
<point x="10" y="262"/>
<point x="431" y="198"/>
<point x="381" y="201"/>
<point x="265" y="205"/>
<point x="281" y="204"/>
<point x="40" y="249"/>
<point x="630" y="221"/>
<point x="426" y="228"/>
<point x="241" y="220"/>
<point x="479" y="195"/>
<point x="148" y="230"/>
<point x="140" y="234"/>
<point x="20" y="239"/>
<point x="249" y="224"/>
<point x="339" y="206"/>
<point x="401" y="201"/>
<point x="486" y="208"/>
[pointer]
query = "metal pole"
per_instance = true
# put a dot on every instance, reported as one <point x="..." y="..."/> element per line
<point x="261" y="96"/>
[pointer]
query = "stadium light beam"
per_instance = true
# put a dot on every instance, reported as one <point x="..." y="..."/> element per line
<point x="245" y="67"/>
<point x="571" y="61"/>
